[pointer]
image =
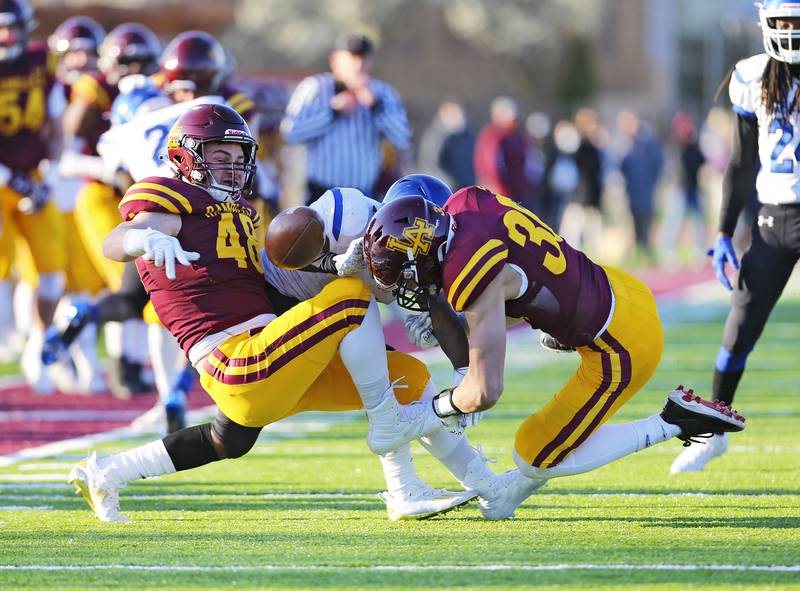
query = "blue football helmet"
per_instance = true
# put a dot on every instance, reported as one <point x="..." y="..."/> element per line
<point x="780" y="44"/>
<point x="423" y="185"/>
<point x="130" y="101"/>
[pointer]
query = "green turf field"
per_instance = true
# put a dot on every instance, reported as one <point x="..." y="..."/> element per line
<point x="301" y="511"/>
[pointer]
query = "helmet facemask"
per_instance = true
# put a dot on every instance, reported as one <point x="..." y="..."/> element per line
<point x="410" y="292"/>
<point x="209" y="174"/>
<point x="18" y="37"/>
<point x="779" y="43"/>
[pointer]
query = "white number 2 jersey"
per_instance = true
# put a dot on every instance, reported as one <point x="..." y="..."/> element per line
<point x="139" y="145"/>
<point x="778" y="179"/>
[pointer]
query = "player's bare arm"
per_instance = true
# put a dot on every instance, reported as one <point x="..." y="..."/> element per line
<point x="486" y="318"/>
<point x="450" y="332"/>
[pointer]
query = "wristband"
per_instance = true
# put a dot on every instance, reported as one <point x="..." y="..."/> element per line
<point x="443" y="404"/>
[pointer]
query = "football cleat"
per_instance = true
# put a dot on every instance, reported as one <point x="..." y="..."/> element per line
<point x="699" y="418"/>
<point x="423" y="502"/>
<point x="695" y="457"/>
<point x="98" y="488"/>
<point x="64" y="330"/>
<point x="505" y="493"/>
<point x="548" y="341"/>
<point x="392" y="424"/>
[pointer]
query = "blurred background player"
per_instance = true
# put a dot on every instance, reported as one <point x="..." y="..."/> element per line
<point x="129" y="48"/>
<point x="762" y="90"/>
<point x="33" y="233"/>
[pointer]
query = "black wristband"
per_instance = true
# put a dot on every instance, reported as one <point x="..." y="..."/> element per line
<point x="443" y="404"/>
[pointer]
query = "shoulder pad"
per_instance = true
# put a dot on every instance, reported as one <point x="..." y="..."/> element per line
<point x="158" y="194"/>
<point x="745" y="85"/>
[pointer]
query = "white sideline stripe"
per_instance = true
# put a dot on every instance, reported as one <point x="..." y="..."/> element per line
<point x="408" y="568"/>
<point x="40" y="466"/>
<point x="366" y="495"/>
<point x="25" y="508"/>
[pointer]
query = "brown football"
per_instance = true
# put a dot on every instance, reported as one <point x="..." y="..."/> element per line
<point x="295" y="237"/>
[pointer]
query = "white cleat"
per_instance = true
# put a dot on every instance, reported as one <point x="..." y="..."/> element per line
<point x="505" y="493"/>
<point x="100" y="490"/>
<point x="422" y="502"/>
<point x="695" y="457"/>
<point x="392" y="424"/>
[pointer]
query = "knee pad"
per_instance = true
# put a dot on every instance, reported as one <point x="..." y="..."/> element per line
<point x="51" y="286"/>
<point x="728" y="361"/>
<point x="235" y="438"/>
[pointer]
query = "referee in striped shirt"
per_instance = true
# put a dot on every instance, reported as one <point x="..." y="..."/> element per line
<point x="342" y="116"/>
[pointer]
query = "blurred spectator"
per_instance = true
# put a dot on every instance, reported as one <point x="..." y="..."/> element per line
<point x="582" y="224"/>
<point x="447" y="147"/>
<point x="641" y="164"/>
<point x="690" y="159"/>
<point x="542" y="156"/>
<point x="501" y="154"/>
<point x="563" y="177"/>
<point x="341" y="117"/>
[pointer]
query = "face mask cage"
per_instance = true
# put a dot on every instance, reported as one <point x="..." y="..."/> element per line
<point x="780" y="44"/>
<point x="410" y="294"/>
<point x="203" y="173"/>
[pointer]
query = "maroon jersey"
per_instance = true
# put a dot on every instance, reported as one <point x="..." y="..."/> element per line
<point x="93" y="88"/>
<point x="25" y="85"/>
<point x="567" y="294"/>
<point x="225" y="286"/>
<point x="239" y="101"/>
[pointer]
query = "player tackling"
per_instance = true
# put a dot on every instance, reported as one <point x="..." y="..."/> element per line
<point x="496" y="260"/>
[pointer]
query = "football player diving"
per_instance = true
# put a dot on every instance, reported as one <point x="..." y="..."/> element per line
<point x="498" y="263"/>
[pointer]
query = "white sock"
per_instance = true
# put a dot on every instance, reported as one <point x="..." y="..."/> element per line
<point x="145" y="461"/>
<point x="24" y="307"/>
<point x="399" y="470"/>
<point x="113" y="333"/>
<point x="164" y="356"/>
<point x="6" y="311"/>
<point x="134" y="340"/>
<point x="363" y="352"/>
<point x="456" y="454"/>
<point x="606" y="444"/>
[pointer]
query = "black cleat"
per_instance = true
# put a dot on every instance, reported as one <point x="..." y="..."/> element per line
<point x="699" y="418"/>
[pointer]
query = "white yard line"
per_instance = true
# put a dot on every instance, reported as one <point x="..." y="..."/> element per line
<point x="407" y="568"/>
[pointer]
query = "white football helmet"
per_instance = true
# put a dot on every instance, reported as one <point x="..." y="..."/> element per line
<point x="780" y="44"/>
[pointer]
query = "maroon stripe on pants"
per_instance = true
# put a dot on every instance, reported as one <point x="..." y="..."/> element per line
<point x="291" y="333"/>
<point x="284" y="358"/>
<point x="625" y="380"/>
<point x="576" y="421"/>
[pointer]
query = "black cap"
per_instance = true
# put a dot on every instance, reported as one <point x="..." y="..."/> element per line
<point x="355" y="43"/>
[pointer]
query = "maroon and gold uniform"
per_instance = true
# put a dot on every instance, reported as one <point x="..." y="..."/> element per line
<point x="261" y="374"/>
<point x="96" y="205"/>
<point x="25" y="84"/>
<point x="607" y="314"/>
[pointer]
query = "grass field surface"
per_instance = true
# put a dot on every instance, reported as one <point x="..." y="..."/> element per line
<point x="301" y="510"/>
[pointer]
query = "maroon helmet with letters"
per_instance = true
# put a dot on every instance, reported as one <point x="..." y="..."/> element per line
<point x="403" y="247"/>
<point x="76" y="34"/>
<point x="130" y="48"/>
<point x="211" y="123"/>
<point x="194" y="61"/>
<point x="18" y="17"/>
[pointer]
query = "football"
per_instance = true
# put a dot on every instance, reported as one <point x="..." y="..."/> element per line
<point x="295" y="238"/>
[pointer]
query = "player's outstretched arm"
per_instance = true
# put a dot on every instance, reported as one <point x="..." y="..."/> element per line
<point x="150" y="235"/>
<point x="486" y="318"/>
<point x="449" y="332"/>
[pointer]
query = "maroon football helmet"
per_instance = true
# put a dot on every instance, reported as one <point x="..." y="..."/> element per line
<point x="130" y="48"/>
<point x="199" y="126"/>
<point x="76" y="41"/>
<point x="17" y="16"/>
<point x="194" y="61"/>
<point x="403" y="247"/>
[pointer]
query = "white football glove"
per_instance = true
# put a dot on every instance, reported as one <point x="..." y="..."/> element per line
<point x="352" y="261"/>
<point x="419" y="330"/>
<point x="156" y="246"/>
